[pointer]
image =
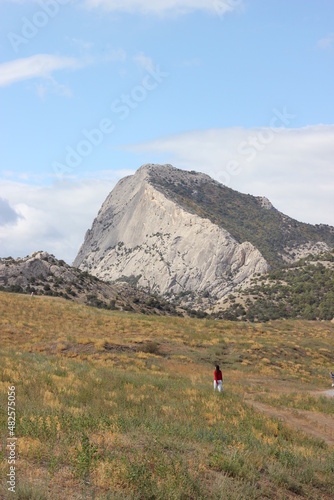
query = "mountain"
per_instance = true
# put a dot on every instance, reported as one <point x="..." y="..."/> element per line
<point x="42" y="274"/>
<point x="178" y="233"/>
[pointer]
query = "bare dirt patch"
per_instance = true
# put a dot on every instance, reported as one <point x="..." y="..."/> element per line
<point x="314" y="424"/>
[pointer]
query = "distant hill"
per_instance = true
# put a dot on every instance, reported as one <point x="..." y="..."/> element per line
<point x="42" y="274"/>
<point x="304" y="290"/>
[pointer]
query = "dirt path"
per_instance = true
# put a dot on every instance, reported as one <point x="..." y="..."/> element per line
<point x="314" y="424"/>
<point x="329" y="393"/>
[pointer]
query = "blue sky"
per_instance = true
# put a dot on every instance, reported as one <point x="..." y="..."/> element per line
<point x="90" y="90"/>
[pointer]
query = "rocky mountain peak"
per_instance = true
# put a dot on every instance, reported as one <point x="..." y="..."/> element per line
<point x="175" y="232"/>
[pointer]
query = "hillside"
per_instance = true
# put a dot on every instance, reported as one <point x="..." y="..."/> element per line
<point x="302" y="290"/>
<point x="42" y="274"/>
<point x="110" y="403"/>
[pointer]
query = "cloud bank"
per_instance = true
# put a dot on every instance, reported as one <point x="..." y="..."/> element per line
<point x="52" y="218"/>
<point x="292" y="167"/>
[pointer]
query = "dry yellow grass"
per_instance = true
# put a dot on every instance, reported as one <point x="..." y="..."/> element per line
<point x="100" y="412"/>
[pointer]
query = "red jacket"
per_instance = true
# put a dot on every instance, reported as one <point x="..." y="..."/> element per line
<point x="218" y="376"/>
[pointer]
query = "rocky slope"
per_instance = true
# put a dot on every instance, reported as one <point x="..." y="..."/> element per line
<point x="42" y="274"/>
<point x="277" y="236"/>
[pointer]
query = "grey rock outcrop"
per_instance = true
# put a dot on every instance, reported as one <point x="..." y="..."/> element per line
<point x="43" y="274"/>
<point x="141" y="235"/>
<point x="293" y="254"/>
<point x="265" y="203"/>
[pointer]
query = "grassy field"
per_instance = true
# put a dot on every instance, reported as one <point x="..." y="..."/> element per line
<point x="113" y="405"/>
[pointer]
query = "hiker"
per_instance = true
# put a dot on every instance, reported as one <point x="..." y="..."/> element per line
<point x="218" y="381"/>
<point x="332" y="375"/>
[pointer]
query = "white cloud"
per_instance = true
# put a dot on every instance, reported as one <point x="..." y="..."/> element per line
<point x="159" y="7"/>
<point x="52" y="218"/>
<point x="292" y="167"/>
<point x="37" y="66"/>
<point x="7" y="213"/>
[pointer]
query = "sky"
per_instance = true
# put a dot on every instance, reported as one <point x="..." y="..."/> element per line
<point x="90" y="90"/>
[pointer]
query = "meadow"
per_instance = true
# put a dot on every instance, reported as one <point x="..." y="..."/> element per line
<point x="116" y="405"/>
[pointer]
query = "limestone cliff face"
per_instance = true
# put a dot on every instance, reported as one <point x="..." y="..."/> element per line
<point x="141" y="234"/>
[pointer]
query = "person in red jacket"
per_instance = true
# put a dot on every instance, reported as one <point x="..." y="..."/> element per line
<point x="218" y="381"/>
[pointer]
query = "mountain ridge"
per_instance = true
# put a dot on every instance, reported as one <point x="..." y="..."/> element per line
<point x="231" y="210"/>
<point x="148" y="236"/>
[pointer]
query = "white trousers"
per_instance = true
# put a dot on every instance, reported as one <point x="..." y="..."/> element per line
<point x="218" y="385"/>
